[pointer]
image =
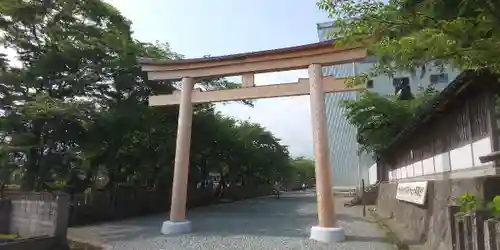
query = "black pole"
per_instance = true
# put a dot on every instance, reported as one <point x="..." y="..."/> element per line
<point x="363" y="196"/>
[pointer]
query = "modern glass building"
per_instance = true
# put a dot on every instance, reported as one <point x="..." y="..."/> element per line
<point x="348" y="167"/>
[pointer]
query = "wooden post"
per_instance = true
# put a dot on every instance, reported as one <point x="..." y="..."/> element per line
<point x="468" y="239"/>
<point x="497" y="232"/>
<point x="326" y="213"/>
<point x="478" y="218"/>
<point x="247" y="80"/>
<point x="452" y="211"/>
<point x="490" y="235"/>
<point x="183" y="143"/>
<point x="459" y="232"/>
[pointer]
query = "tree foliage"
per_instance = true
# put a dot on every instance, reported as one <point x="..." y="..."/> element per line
<point x="380" y="118"/>
<point x="74" y="112"/>
<point x="405" y="35"/>
<point x="410" y="36"/>
<point x="302" y="171"/>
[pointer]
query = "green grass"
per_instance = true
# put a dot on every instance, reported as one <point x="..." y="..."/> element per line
<point x="9" y="236"/>
<point x="74" y="245"/>
<point x="389" y="234"/>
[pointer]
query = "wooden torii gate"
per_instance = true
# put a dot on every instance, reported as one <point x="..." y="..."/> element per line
<point x="311" y="56"/>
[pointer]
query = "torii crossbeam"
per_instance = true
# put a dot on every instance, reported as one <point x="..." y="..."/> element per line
<point x="311" y="56"/>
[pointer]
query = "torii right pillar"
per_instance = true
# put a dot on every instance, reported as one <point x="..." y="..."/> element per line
<point x="327" y="231"/>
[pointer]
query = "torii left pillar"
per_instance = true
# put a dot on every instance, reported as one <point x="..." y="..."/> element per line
<point x="327" y="229"/>
<point x="178" y="223"/>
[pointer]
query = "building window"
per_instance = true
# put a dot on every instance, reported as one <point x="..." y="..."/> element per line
<point x="369" y="60"/>
<point x="439" y="78"/>
<point x="400" y="83"/>
<point x="369" y="84"/>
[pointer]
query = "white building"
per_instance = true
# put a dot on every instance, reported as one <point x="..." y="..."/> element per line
<point x="342" y="135"/>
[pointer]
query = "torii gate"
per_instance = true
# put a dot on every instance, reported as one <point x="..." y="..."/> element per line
<point x="313" y="56"/>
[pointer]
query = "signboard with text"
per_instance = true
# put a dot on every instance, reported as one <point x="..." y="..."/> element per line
<point x="413" y="192"/>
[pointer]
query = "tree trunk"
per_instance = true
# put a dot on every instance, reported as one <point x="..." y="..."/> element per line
<point x="28" y="182"/>
<point x="2" y="189"/>
<point x="204" y="168"/>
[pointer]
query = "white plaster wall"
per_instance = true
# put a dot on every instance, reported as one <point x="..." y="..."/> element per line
<point x="480" y="148"/>
<point x="372" y="174"/>
<point x="417" y="166"/>
<point x="428" y="166"/>
<point x="410" y="170"/>
<point x="460" y="158"/>
<point x="442" y="162"/>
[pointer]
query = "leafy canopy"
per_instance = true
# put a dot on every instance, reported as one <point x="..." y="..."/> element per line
<point x="380" y="118"/>
<point x="405" y="35"/>
<point x="74" y="111"/>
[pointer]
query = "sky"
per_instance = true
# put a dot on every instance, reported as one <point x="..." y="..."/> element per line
<point x="196" y="28"/>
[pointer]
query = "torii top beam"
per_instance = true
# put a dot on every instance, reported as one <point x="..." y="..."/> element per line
<point x="248" y="64"/>
<point x="291" y="58"/>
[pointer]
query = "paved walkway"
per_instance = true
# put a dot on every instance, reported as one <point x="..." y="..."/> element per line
<point x="262" y="223"/>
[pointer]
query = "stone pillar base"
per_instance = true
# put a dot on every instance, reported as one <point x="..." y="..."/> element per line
<point x="175" y="227"/>
<point x="327" y="234"/>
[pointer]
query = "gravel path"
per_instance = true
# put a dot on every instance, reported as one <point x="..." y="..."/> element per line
<point x="262" y="223"/>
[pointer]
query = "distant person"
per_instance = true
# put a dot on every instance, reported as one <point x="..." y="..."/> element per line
<point x="303" y="186"/>
<point x="276" y="189"/>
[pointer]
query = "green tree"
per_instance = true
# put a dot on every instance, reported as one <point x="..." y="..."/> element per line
<point x="406" y="35"/>
<point x="410" y="36"/>
<point x="76" y="109"/>
<point x="302" y="171"/>
<point x="379" y="119"/>
<point x="67" y="50"/>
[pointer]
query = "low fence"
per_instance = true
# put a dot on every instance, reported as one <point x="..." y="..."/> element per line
<point x="123" y="203"/>
<point x="474" y="230"/>
<point x="114" y="204"/>
<point x="103" y="205"/>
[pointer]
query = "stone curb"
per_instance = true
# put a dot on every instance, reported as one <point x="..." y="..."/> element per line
<point x="391" y="235"/>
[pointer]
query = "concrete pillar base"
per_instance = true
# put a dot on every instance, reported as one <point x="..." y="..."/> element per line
<point x="175" y="227"/>
<point x="328" y="234"/>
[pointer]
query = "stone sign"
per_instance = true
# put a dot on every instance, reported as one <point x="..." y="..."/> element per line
<point x="413" y="192"/>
